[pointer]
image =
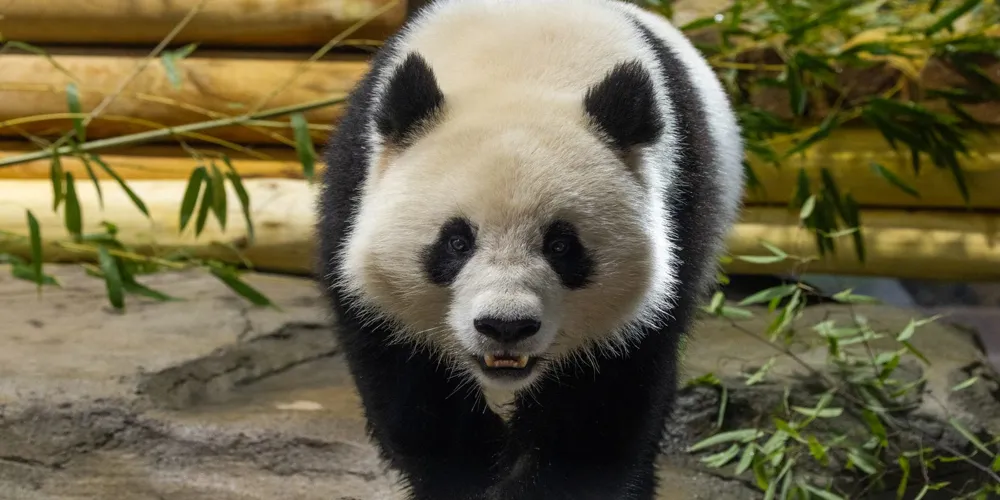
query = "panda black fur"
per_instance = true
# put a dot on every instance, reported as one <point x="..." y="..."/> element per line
<point x="480" y="178"/>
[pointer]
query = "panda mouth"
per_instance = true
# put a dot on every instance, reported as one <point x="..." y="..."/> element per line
<point x="506" y="364"/>
<point x="505" y="361"/>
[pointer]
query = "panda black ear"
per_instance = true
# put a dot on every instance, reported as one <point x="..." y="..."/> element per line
<point x="624" y="107"/>
<point x="411" y="97"/>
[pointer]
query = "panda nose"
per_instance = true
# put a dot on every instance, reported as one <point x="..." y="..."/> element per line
<point x="507" y="330"/>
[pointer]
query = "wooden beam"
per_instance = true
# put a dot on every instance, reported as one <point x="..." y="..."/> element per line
<point x="263" y="23"/>
<point x="159" y="162"/>
<point x="848" y="154"/>
<point x="917" y="244"/>
<point x="33" y="93"/>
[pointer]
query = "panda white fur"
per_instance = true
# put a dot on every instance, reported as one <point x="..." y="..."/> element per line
<point x="526" y="198"/>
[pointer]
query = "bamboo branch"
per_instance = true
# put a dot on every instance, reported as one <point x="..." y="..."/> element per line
<point x="142" y="137"/>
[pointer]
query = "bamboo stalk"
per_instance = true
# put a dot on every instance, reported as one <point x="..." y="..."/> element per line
<point x="913" y="244"/>
<point x="263" y="23"/>
<point x="152" y="135"/>
<point x="33" y="93"/>
<point x="156" y="162"/>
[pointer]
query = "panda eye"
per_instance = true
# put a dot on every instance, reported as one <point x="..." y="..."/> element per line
<point x="459" y="244"/>
<point x="558" y="247"/>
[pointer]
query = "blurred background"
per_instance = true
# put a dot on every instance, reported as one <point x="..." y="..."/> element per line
<point x="161" y="335"/>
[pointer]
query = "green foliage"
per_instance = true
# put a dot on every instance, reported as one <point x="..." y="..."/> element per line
<point x="118" y="265"/>
<point x="816" y="50"/>
<point x="807" y="48"/>
<point x="845" y="430"/>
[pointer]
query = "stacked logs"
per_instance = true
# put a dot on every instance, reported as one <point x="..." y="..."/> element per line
<point x="255" y="55"/>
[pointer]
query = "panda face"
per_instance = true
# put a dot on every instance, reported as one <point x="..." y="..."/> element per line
<point x="507" y="307"/>
<point x="506" y="245"/>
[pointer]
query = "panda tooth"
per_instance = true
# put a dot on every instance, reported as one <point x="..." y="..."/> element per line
<point x="492" y="361"/>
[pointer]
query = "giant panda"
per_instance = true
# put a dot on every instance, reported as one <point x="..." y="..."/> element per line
<point x="522" y="209"/>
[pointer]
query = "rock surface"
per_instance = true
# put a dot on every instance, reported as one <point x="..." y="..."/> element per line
<point x="210" y="398"/>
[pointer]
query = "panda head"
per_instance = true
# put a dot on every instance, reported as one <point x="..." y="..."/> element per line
<point x="509" y="234"/>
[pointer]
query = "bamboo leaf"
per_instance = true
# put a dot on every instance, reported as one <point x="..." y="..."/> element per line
<point x="875" y="425"/>
<point x="959" y="175"/>
<point x="742" y="436"/>
<point x="894" y="180"/>
<point x="724" y="402"/>
<point x="93" y="178"/>
<point x="760" y="259"/>
<point x="73" y="102"/>
<point x="303" y="145"/>
<point x="907" y="332"/>
<point x="916" y="352"/>
<point x="73" y="217"/>
<point x="169" y="60"/>
<point x="121" y="182"/>
<point x="112" y="278"/>
<point x="198" y="176"/>
<point x="722" y="458"/>
<point x="822" y="132"/>
<point x="862" y="460"/>
<point x="821" y="413"/>
<point x="773" y="249"/>
<point x="716" y="302"/>
<point x="230" y="279"/>
<point x="26" y="273"/>
<point x="56" y="175"/>
<point x="817" y="450"/>
<point x="769" y="294"/>
<point x="904" y="465"/>
<point x="969" y="436"/>
<point x="218" y="185"/>
<point x="35" y="236"/>
<point x="824" y="494"/>
<point x="241" y="193"/>
<point x="965" y="384"/>
<point x="797" y="94"/>
<point x="852" y="216"/>
<point x="133" y="287"/>
<point x="746" y="460"/>
<point x="808" y="207"/>
<point x="949" y="18"/>
<point x="734" y="313"/>
<point x="204" y="207"/>
<point x="848" y="297"/>
<point x="761" y="372"/>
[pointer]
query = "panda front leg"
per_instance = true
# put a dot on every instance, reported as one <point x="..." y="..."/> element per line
<point x="425" y="425"/>
<point x="593" y="434"/>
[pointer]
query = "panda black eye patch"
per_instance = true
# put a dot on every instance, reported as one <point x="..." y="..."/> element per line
<point x="454" y="246"/>
<point x="566" y="255"/>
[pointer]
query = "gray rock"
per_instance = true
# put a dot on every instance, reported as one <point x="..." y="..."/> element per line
<point x="210" y="398"/>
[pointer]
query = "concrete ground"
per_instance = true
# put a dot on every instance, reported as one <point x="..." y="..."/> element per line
<point x="210" y="398"/>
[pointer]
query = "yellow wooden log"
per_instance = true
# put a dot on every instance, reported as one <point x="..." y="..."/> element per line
<point x="159" y="162"/>
<point x="907" y="244"/>
<point x="240" y="23"/>
<point x="282" y="211"/>
<point x="848" y="153"/>
<point x="961" y="246"/>
<point x="33" y="95"/>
